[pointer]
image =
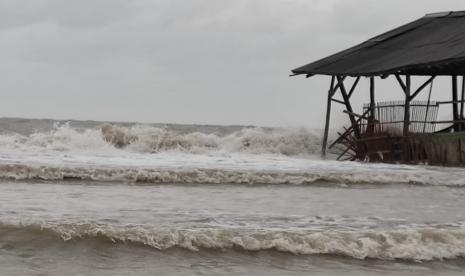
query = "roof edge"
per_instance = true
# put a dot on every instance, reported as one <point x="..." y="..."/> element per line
<point x="438" y="14"/>
<point x="325" y="65"/>
<point x="403" y="70"/>
<point x="445" y="14"/>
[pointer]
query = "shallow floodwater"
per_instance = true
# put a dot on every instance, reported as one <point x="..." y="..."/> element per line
<point x="114" y="229"/>
<point x="97" y="199"/>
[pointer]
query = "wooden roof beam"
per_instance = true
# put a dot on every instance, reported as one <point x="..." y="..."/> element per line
<point x="422" y="87"/>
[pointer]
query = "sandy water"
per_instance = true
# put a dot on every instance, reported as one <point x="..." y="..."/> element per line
<point x="115" y="229"/>
<point x="82" y="199"/>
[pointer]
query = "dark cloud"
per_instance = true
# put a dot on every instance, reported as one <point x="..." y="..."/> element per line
<point x="197" y="61"/>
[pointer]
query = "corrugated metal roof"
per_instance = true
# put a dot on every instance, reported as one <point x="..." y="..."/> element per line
<point x="431" y="45"/>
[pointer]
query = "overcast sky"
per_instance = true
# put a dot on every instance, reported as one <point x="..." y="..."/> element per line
<point x="182" y="61"/>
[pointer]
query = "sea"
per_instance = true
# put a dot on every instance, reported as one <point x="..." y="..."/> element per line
<point x="106" y="198"/>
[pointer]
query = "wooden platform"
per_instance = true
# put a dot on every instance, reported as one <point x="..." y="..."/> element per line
<point x="445" y="149"/>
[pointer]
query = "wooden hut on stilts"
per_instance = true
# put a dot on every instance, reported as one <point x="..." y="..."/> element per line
<point x="403" y="131"/>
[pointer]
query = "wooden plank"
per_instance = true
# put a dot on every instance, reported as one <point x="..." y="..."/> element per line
<point x="448" y="102"/>
<point x="337" y="101"/>
<point x="448" y="122"/>
<point x="373" y="138"/>
<point x="341" y="136"/>
<point x="356" y="115"/>
<point x="343" y="153"/>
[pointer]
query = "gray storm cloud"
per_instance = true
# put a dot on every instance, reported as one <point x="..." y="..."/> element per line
<point x="197" y="61"/>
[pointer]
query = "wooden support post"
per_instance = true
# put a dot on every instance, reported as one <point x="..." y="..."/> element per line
<point x="328" y="117"/>
<point x="407" y="106"/>
<point x="371" y="122"/>
<point x="455" y="109"/>
<point x="462" y="125"/>
<point x="462" y="98"/>
<point x="345" y="96"/>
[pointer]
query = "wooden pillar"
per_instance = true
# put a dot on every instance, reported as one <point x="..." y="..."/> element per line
<point x="407" y="105"/>
<point x="462" y="99"/>
<point x="346" y="98"/>
<point x="455" y="109"/>
<point x="328" y="117"/>
<point x="371" y="125"/>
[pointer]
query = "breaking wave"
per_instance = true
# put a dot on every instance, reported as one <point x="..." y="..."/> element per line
<point x="110" y="153"/>
<point x="421" y="244"/>
<point x="148" y="139"/>
<point x="220" y="176"/>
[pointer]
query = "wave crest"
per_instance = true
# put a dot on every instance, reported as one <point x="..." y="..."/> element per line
<point x="195" y="176"/>
<point x="421" y="244"/>
<point x="218" y="176"/>
<point x="148" y="139"/>
<point x="250" y="140"/>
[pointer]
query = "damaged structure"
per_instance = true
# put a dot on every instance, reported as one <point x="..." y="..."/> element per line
<point x="404" y="130"/>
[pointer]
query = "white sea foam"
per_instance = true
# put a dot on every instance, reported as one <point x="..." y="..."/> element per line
<point x="419" y="244"/>
<point x="147" y="139"/>
<point x="155" y="155"/>
<point x="219" y="176"/>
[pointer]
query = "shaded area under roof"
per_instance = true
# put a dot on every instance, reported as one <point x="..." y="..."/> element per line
<point x="431" y="45"/>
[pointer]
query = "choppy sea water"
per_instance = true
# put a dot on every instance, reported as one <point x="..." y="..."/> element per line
<point x="91" y="198"/>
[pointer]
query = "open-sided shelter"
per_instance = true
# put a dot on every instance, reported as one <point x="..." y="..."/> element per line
<point x="433" y="45"/>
